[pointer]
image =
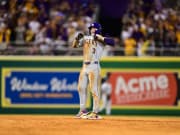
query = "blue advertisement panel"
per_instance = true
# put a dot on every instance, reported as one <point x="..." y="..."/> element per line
<point x="38" y="88"/>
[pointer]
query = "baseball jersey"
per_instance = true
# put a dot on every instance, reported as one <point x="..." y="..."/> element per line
<point x="92" y="49"/>
<point x="106" y="88"/>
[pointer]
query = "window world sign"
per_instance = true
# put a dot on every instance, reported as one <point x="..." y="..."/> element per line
<point x="39" y="88"/>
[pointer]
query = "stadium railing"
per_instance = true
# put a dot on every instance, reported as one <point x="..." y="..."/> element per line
<point x="31" y="49"/>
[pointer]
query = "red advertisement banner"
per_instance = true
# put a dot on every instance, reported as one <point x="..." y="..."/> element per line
<point x="143" y="88"/>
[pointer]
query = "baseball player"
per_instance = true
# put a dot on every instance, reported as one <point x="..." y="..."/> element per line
<point x="106" y="89"/>
<point x="93" y="45"/>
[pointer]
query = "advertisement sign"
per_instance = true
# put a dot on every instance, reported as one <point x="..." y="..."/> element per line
<point x="148" y="88"/>
<point x="39" y="88"/>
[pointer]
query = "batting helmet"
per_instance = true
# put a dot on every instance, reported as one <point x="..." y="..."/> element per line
<point x="97" y="26"/>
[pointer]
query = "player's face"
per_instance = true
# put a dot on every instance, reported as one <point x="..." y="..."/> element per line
<point x="93" y="30"/>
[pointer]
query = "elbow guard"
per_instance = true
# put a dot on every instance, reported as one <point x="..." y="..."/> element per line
<point x="109" y="41"/>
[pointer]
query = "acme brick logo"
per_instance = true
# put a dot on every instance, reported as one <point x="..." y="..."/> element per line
<point x="144" y="88"/>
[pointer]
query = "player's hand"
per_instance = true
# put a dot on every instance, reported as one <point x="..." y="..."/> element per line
<point x="79" y="36"/>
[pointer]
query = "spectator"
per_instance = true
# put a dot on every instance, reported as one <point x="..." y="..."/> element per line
<point x="130" y="46"/>
<point x="20" y="30"/>
<point x="148" y="47"/>
<point x="5" y="33"/>
<point x="34" y="25"/>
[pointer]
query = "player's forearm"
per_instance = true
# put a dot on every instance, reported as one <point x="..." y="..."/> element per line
<point x="75" y="43"/>
<point x="106" y="40"/>
<point x="109" y="41"/>
<point x="99" y="37"/>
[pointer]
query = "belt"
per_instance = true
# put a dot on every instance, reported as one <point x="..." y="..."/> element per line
<point x="88" y="62"/>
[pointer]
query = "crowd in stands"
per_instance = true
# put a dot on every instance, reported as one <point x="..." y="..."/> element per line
<point x="46" y="27"/>
<point x="151" y="27"/>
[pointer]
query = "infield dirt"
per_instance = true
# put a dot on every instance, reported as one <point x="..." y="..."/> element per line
<point x="68" y="125"/>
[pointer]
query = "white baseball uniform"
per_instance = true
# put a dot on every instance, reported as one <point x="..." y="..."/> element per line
<point x="106" y="89"/>
<point x="90" y="73"/>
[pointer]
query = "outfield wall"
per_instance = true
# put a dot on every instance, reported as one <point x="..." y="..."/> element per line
<point x="48" y="85"/>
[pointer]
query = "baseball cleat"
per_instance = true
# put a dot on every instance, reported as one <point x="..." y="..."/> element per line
<point x="92" y="116"/>
<point x="81" y="114"/>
